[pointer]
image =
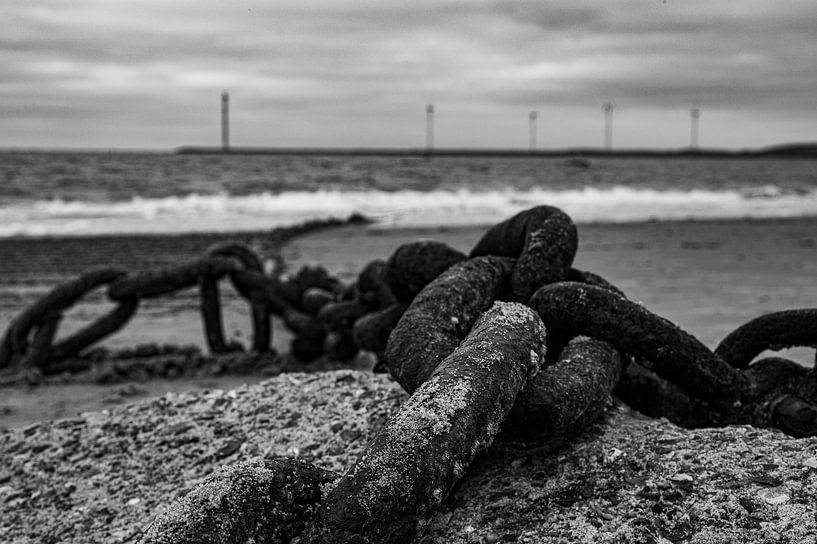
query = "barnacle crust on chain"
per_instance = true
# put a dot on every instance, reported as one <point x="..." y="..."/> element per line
<point x="567" y="395"/>
<point x="266" y="501"/>
<point x="572" y="308"/>
<point x="440" y="317"/>
<point x="544" y="241"/>
<point x="409" y="468"/>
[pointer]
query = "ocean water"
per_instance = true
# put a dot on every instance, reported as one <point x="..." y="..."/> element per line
<point x="123" y="193"/>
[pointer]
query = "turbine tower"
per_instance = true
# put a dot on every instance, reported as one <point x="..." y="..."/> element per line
<point x="608" y="108"/>
<point x="429" y="128"/>
<point x="695" y="115"/>
<point x="225" y="121"/>
<point x="532" y="116"/>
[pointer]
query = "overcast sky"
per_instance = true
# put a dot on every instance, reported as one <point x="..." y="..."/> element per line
<point x="149" y="73"/>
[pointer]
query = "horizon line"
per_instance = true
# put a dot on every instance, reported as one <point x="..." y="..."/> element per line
<point x="792" y="149"/>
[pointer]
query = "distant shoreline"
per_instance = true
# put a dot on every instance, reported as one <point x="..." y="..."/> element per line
<point x="801" y="150"/>
<point x="797" y="151"/>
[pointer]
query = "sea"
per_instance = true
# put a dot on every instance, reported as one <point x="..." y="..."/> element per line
<point x="110" y="193"/>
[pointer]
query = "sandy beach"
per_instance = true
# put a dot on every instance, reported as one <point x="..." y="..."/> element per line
<point x="707" y="276"/>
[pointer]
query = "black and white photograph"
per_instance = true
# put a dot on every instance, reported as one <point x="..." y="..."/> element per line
<point x="430" y="272"/>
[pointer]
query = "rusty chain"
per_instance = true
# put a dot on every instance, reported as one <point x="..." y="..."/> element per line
<point x="526" y="258"/>
<point x="30" y="345"/>
<point x="537" y="371"/>
<point x="539" y="366"/>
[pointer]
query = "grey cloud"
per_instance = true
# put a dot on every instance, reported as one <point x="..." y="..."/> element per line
<point x="341" y="53"/>
<point x="737" y="62"/>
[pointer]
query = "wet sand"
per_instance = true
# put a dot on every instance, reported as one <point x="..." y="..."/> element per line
<point x="707" y="276"/>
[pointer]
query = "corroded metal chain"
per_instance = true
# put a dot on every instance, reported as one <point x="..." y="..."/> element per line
<point x="509" y="340"/>
<point x="19" y="351"/>
<point x="30" y="346"/>
<point x="42" y="318"/>
<point x="537" y="368"/>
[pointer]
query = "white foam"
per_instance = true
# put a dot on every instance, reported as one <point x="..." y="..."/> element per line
<point x="222" y="212"/>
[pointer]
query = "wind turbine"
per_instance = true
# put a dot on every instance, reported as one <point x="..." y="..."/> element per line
<point x="532" y="116"/>
<point x="608" y="108"/>
<point x="695" y="115"/>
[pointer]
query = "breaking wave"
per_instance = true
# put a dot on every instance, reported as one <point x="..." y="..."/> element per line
<point x="225" y="212"/>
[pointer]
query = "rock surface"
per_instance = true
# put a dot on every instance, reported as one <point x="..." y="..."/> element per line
<point x="103" y="476"/>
